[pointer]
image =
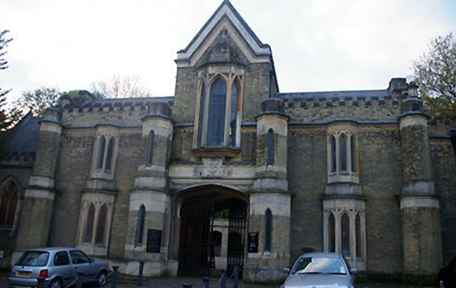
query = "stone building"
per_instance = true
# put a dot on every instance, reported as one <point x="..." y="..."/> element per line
<point x="231" y="172"/>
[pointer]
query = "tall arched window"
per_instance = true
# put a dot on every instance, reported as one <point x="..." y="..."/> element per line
<point x="102" y="223"/>
<point x="331" y="233"/>
<point x="150" y="148"/>
<point x="343" y="152"/>
<point x="358" y="236"/>
<point x="216" y="121"/>
<point x="140" y="226"/>
<point x="353" y="155"/>
<point x="234" y="111"/>
<point x="88" y="232"/>
<point x="268" y="231"/>
<point x="101" y="152"/>
<point x="8" y="203"/>
<point x="270" y="147"/>
<point x="201" y="113"/>
<point x="109" y="154"/>
<point x="332" y="141"/>
<point x="345" y="237"/>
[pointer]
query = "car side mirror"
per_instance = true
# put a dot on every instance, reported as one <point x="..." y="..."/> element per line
<point x="286" y="270"/>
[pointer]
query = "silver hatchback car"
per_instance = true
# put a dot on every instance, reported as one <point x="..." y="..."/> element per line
<point x="317" y="270"/>
<point x="57" y="268"/>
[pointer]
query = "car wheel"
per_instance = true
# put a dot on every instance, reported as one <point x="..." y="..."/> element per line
<point x="55" y="284"/>
<point x="101" y="279"/>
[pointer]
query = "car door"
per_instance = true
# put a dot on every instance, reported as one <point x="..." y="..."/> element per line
<point x="82" y="265"/>
<point x="62" y="267"/>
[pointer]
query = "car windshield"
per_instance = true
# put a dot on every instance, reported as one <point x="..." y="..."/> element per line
<point x="319" y="265"/>
<point x="33" y="258"/>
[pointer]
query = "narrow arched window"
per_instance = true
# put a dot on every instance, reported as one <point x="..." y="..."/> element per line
<point x="101" y="225"/>
<point x="332" y="141"/>
<point x="234" y="111"/>
<point x="268" y="231"/>
<point x="201" y="113"/>
<point x="88" y="232"/>
<point x="101" y="152"/>
<point x="358" y="236"/>
<point x="343" y="152"/>
<point x="109" y="154"/>
<point x="345" y="237"/>
<point x="353" y="153"/>
<point x="8" y="203"/>
<point x="150" y="147"/>
<point x="140" y="226"/>
<point x="216" y="121"/>
<point x="331" y="233"/>
<point x="270" y="147"/>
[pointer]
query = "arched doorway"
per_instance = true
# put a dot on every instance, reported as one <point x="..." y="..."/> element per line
<point x="204" y="212"/>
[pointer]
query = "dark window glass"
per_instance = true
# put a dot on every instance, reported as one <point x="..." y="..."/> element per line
<point x="353" y="158"/>
<point x="8" y="203"/>
<point x="61" y="258"/>
<point x="101" y="225"/>
<point x="268" y="230"/>
<point x="109" y="153"/>
<point x="33" y="258"/>
<point x="89" y="224"/>
<point x="216" y="121"/>
<point x="150" y="148"/>
<point x="140" y="225"/>
<point x="332" y="140"/>
<point x="270" y="147"/>
<point x="100" y="152"/>
<point x="319" y="265"/>
<point x="343" y="152"/>
<point x="345" y="230"/>
<point x="358" y="236"/>
<point x="77" y="257"/>
<point x="331" y="233"/>
<point x="234" y="111"/>
<point x="201" y="113"/>
<point x="217" y="243"/>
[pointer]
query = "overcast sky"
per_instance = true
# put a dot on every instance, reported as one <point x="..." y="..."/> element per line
<point x="317" y="44"/>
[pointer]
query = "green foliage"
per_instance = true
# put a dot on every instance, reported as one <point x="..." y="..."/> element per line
<point x="39" y="100"/>
<point x="435" y="75"/>
<point x="77" y="97"/>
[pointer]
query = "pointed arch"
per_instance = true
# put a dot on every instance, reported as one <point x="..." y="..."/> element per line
<point x="150" y="148"/>
<point x="101" y="151"/>
<point x="331" y="232"/>
<point x="217" y="107"/>
<point x="270" y="147"/>
<point x="88" y="231"/>
<point x="101" y="225"/>
<point x="110" y="153"/>
<point x="345" y="237"/>
<point x="9" y="196"/>
<point x="140" y="221"/>
<point x="268" y="230"/>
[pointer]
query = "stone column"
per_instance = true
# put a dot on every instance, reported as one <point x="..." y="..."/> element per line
<point x="151" y="191"/>
<point x="33" y="230"/>
<point x="270" y="191"/>
<point x="420" y="210"/>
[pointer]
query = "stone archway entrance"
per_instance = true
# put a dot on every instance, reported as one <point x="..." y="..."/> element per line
<point x="212" y="231"/>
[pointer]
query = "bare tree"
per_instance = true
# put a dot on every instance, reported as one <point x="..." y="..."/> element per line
<point x="435" y="74"/>
<point x="120" y="87"/>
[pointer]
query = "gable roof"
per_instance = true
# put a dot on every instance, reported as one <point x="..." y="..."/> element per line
<point x="22" y="140"/>
<point x="226" y="9"/>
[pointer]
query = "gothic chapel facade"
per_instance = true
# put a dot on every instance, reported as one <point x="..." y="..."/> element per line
<point x="231" y="172"/>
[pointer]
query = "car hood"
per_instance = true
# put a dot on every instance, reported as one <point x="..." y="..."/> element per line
<point x="317" y="281"/>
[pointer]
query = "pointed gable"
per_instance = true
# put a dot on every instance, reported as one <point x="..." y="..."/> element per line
<point x="225" y="19"/>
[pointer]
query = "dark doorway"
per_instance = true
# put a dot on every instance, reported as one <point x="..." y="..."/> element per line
<point x="199" y="244"/>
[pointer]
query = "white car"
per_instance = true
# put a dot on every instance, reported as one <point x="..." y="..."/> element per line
<point x="318" y="270"/>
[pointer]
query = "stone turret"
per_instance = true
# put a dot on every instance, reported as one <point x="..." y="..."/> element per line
<point x="33" y="230"/>
<point x="148" y="221"/>
<point x="420" y="209"/>
<point x="270" y="207"/>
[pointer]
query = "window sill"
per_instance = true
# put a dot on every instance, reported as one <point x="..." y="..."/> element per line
<point x="216" y="152"/>
<point x="343" y="178"/>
